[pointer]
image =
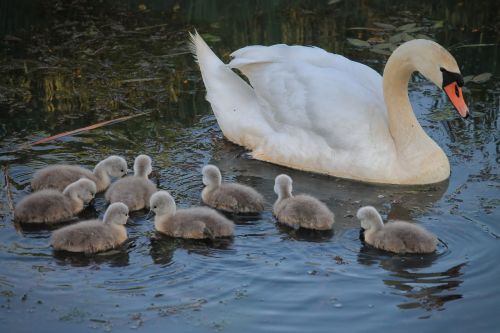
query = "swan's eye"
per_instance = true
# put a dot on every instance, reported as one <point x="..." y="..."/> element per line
<point x="154" y="207"/>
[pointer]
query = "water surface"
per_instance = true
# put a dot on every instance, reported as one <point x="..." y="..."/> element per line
<point x="65" y="67"/>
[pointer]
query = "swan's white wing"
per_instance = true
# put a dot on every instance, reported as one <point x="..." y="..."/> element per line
<point x="327" y="95"/>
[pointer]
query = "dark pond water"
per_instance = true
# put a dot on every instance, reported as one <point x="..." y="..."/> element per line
<point x="68" y="66"/>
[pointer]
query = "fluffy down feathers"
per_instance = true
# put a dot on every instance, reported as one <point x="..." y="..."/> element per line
<point x="89" y="237"/>
<point x="59" y="176"/>
<point x="234" y="198"/>
<point x="304" y="211"/>
<point x="46" y="206"/>
<point x="133" y="191"/>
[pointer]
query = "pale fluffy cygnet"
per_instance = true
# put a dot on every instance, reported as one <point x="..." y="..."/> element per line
<point x="301" y="211"/>
<point x="232" y="197"/>
<point x="52" y="206"/>
<point x="134" y="191"/>
<point x="397" y="236"/>
<point x="61" y="175"/>
<point x="194" y="223"/>
<point x="94" y="235"/>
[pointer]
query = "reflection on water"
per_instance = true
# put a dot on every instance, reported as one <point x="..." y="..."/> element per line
<point x="163" y="247"/>
<point x="116" y="258"/>
<point x="410" y="279"/>
<point x="69" y="65"/>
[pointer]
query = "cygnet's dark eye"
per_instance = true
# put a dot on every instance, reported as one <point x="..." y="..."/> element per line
<point x="154" y="207"/>
<point x="126" y="215"/>
<point x="123" y="170"/>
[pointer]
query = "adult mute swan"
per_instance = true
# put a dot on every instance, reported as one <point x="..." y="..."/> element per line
<point x="316" y="111"/>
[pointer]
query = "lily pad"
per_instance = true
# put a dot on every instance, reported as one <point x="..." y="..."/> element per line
<point x="481" y="78"/>
<point x="381" y="51"/>
<point x="407" y="26"/>
<point x="382" y="46"/>
<point x="211" y="38"/>
<point x="468" y="78"/>
<point x="415" y="29"/>
<point x="358" y="42"/>
<point x="422" y="36"/>
<point x="384" y="25"/>
<point x="407" y="37"/>
<point x="438" y="24"/>
<point x="396" y="38"/>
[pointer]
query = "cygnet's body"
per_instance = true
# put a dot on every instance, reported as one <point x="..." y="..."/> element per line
<point x="94" y="235"/>
<point x="397" y="236"/>
<point x="301" y="211"/>
<point x="52" y="206"/>
<point x="233" y="197"/>
<point x="194" y="223"/>
<point x="134" y="191"/>
<point x="59" y="176"/>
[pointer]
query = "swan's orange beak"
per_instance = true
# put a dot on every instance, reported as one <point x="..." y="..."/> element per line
<point x="454" y="93"/>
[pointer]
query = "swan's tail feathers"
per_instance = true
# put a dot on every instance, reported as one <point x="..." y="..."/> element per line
<point x="233" y="101"/>
<point x="202" y="52"/>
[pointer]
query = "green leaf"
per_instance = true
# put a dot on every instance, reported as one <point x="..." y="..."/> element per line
<point x="468" y="78"/>
<point x="406" y="26"/>
<point x="358" y="42"/>
<point x="438" y="24"/>
<point x="380" y="51"/>
<point x="384" y="25"/>
<point x="481" y="78"/>
<point x="382" y="46"/>
<point x="211" y="38"/>
<point x="396" y="38"/>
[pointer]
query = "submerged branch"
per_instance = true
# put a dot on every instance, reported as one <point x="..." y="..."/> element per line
<point x="87" y="128"/>
<point x="10" y="202"/>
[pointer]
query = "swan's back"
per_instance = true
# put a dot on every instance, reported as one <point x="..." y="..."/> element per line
<point x="89" y="237"/>
<point x="45" y="206"/>
<point x="133" y="191"/>
<point x="234" y="198"/>
<point x="59" y="176"/>
<point x="404" y="237"/>
<point x="304" y="211"/>
<point x="306" y="109"/>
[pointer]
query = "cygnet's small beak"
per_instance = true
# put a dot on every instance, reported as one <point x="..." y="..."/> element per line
<point x="150" y="214"/>
<point x="362" y="234"/>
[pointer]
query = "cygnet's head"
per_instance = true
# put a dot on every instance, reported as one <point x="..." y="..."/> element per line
<point x="370" y="218"/>
<point x="83" y="188"/>
<point x="116" y="213"/>
<point x="211" y="175"/>
<point x="143" y="166"/>
<point x="115" y="166"/>
<point x="162" y="203"/>
<point x="283" y="185"/>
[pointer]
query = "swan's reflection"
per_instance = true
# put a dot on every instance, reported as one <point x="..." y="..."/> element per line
<point x="163" y="247"/>
<point x="426" y="290"/>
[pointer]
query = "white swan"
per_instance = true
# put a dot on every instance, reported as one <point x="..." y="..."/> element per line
<point x="317" y="111"/>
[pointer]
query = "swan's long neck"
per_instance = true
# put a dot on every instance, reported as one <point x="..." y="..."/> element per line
<point x="420" y="159"/>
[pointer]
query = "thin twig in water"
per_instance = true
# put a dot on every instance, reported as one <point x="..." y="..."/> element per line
<point x="88" y="128"/>
<point x="141" y="80"/>
<point x="151" y="27"/>
<point x="10" y="202"/>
